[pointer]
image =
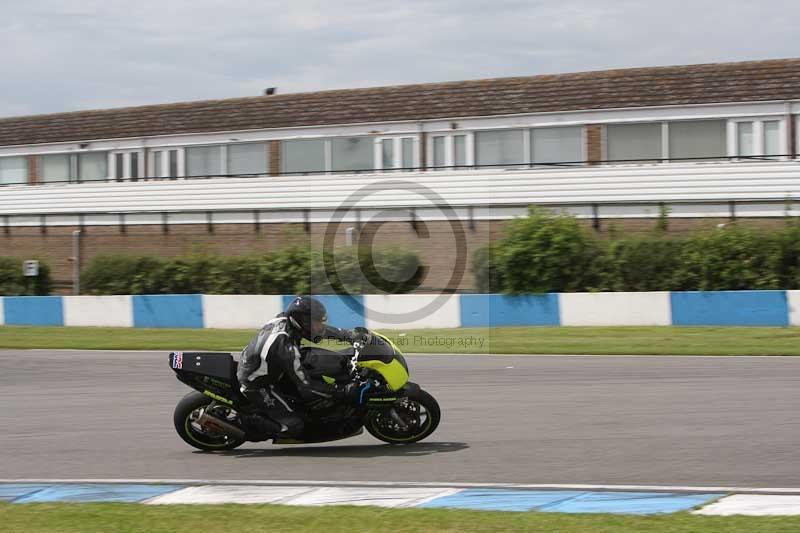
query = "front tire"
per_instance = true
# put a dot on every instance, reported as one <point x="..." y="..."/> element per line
<point x="419" y="412"/>
<point x="185" y="419"/>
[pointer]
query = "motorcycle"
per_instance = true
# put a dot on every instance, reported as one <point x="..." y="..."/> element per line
<point x="391" y="408"/>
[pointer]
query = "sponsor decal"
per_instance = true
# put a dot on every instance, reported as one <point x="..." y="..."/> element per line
<point x="177" y="360"/>
<point x="216" y="382"/>
<point x="217" y="397"/>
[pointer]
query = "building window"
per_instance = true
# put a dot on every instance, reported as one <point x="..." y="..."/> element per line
<point x="395" y="153"/>
<point x="54" y="168"/>
<point x="303" y="156"/>
<point x="762" y="138"/>
<point x="500" y="147"/>
<point x="165" y="163"/>
<point x="745" y="139"/>
<point x="93" y="166"/>
<point x="459" y="151"/>
<point x="772" y="138"/>
<point x="13" y="170"/>
<point x="697" y="139"/>
<point x="408" y="159"/>
<point x="452" y="150"/>
<point x="352" y="154"/>
<point x="557" y="145"/>
<point x="127" y="165"/>
<point x="387" y="154"/>
<point x="204" y="161"/>
<point x="634" y="141"/>
<point x="247" y="158"/>
<point x="438" y="153"/>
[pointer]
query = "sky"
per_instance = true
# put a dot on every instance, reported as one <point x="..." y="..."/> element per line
<point x="65" y="55"/>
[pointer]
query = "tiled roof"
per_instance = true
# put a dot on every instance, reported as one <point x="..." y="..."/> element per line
<point x="639" y="87"/>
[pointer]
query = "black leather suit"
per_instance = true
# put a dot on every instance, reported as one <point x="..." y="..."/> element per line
<point x="272" y="354"/>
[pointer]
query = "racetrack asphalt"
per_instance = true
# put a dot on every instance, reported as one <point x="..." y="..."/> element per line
<point x="651" y="420"/>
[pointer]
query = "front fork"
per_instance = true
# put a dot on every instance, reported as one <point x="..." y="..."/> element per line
<point x="389" y="400"/>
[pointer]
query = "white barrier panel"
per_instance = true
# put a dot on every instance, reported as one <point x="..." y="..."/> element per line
<point x="2" y="313"/>
<point x="240" y="311"/>
<point x="615" y="309"/>
<point x="407" y="311"/>
<point x="101" y="311"/>
<point x="793" y="302"/>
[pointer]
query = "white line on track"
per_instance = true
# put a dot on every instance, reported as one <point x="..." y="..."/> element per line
<point x="541" y="486"/>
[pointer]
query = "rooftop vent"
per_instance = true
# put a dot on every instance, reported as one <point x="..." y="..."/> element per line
<point x="269" y="91"/>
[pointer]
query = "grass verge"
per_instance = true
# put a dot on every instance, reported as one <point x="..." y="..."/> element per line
<point x="113" y="517"/>
<point x="538" y="340"/>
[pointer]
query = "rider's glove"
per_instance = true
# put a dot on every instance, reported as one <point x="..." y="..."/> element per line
<point x="363" y="335"/>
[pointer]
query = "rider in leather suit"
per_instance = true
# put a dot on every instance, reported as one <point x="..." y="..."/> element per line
<point x="275" y="352"/>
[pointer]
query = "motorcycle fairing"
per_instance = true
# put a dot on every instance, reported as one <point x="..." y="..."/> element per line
<point x="394" y="373"/>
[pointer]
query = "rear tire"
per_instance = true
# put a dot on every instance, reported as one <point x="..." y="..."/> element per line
<point x="184" y="418"/>
<point x="419" y="408"/>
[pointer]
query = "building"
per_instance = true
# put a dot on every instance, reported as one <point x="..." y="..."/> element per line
<point x="406" y="165"/>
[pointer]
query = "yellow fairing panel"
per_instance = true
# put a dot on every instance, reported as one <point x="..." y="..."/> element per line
<point x="394" y="373"/>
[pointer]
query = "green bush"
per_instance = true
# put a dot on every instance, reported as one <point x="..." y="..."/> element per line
<point x="546" y="252"/>
<point x="644" y="263"/>
<point x="354" y="271"/>
<point x="487" y="271"/>
<point x="13" y="283"/>
<point x="293" y="270"/>
<point x="729" y="258"/>
<point x="552" y="253"/>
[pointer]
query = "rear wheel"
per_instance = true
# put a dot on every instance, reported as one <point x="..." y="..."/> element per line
<point x="185" y="418"/>
<point x="410" y="420"/>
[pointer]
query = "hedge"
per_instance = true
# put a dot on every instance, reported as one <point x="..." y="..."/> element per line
<point x="14" y="283"/>
<point x="548" y="252"/>
<point x="293" y="270"/>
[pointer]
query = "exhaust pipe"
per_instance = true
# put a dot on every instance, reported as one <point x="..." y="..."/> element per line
<point x="208" y="421"/>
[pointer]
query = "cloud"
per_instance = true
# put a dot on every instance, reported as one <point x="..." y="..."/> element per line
<point x="93" y="54"/>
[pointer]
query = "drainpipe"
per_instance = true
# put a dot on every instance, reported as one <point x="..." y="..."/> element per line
<point x="76" y="262"/>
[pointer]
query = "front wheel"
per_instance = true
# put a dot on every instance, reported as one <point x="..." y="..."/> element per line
<point x="411" y="419"/>
<point x="185" y="418"/>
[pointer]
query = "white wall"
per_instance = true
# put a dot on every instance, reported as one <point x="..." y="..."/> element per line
<point x="615" y="309"/>
<point x="793" y="301"/>
<point x="2" y="313"/>
<point x="707" y="182"/>
<point x="238" y="311"/>
<point x="406" y="311"/>
<point x="106" y="311"/>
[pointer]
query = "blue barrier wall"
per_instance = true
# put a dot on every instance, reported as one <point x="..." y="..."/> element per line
<point x="730" y="308"/>
<point x="343" y="311"/>
<point x="484" y="310"/>
<point x="33" y="310"/>
<point x="721" y="308"/>
<point x="168" y="311"/>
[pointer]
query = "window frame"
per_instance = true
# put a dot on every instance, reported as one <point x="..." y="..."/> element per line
<point x="449" y="149"/>
<point x="223" y="160"/>
<point x="74" y="166"/>
<point x="328" y="142"/>
<point x="759" y="137"/>
<point x="27" y="171"/>
<point x="126" y="164"/>
<point x="326" y="156"/>
<point x="164" y="151"/>
<point x="397" y="152"/>
<point x="584" y="155"/>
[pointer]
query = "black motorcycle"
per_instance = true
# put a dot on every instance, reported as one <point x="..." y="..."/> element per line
<point x="391" y="408"/>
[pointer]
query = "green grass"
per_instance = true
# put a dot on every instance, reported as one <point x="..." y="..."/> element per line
<point x="539" y="340"/>
<point x="112" y="517"/>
